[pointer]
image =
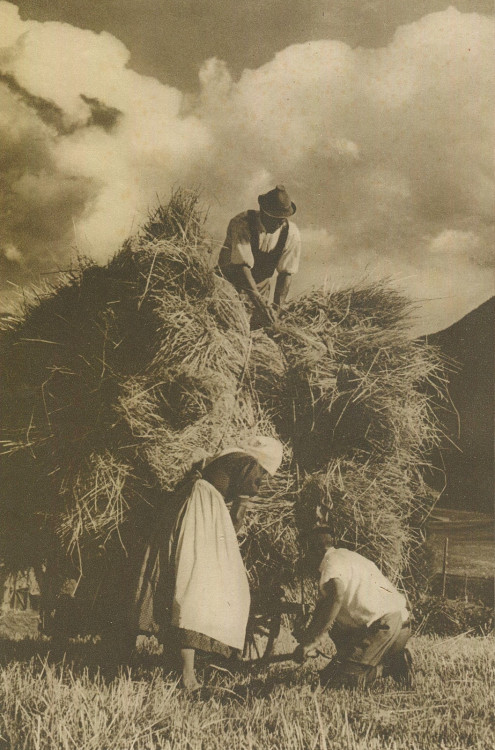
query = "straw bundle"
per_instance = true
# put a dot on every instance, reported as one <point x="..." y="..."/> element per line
<point x="359" y="418"/>
<point x="122" y="377"/>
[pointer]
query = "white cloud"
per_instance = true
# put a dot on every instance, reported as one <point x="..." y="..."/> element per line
<point x="109" y="176"/>
<point x="454" y="241"/>
<point x="12" y="253"/>
<point x="380" y="148"/>
<point x="11" y="26"/>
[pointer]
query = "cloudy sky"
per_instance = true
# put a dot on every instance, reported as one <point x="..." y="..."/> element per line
<point x="377" y="116"/>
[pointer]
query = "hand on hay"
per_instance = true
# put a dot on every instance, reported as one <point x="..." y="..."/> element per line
<point x="269" y="313"/>
<point x="273" y="314"/>
<point x="280" y="311"/>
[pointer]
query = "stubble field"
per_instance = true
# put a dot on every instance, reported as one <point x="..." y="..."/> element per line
<point x="47" y="705"/>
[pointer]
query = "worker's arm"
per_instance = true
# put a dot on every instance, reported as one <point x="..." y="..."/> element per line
<point x="324" y="616"/>
<point x="281" y="289"/>
<point x="252" y="290"/>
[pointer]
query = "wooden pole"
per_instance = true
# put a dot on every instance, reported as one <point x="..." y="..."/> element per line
<point x="445" y="560"/>
<point x="298" y="487"/>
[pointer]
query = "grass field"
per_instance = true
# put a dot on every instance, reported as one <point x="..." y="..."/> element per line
<point x="48" y="706"/>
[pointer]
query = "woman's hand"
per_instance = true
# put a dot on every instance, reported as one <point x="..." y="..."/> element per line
<point x="238" y="511"/>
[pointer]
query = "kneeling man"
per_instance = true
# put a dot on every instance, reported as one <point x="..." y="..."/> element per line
<point x="365" y="615"/>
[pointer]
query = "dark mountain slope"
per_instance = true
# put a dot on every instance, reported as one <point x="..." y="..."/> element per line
<point x="470" y="470"/>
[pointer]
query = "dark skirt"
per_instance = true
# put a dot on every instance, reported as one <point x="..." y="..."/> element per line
<point x="200" y="642"/>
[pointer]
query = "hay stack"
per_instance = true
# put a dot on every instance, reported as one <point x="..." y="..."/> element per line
<point x="358" y="417"/>
<point x="117" y="381"/>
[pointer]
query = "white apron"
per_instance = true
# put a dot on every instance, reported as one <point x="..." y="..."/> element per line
<point x="211" y="587"/>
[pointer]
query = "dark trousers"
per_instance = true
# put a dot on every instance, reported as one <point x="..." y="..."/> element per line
<point x="365" y="653"/>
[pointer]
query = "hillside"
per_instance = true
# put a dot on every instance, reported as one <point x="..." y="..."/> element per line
<point x="470" y="468"/>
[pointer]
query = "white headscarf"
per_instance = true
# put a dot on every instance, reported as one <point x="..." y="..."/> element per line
<point x="267" y="451"/>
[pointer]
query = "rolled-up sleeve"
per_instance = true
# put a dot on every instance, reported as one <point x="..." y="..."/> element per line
<point x="333" y="567"/>
<point x="289" y="260"/>
<point x="239" y="242"/>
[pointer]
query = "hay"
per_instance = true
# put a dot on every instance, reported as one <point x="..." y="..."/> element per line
<point x="120" y="378"/>
<point x="370" y="510"/>
<point x="354" y="379"/>
<point x="359" y="418"/>
<point x="344" y="385"/>
<point x="269" y="540"/>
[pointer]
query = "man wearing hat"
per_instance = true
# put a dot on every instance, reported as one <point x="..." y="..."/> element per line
<point x="365" y="615"/>
<point x="257" y="244"/>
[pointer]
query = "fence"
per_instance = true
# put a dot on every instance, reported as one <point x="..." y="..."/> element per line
<point x="462" y="585"/>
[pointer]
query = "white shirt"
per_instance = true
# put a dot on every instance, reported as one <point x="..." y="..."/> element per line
<point x="238" y="242"/>
<point x="368" y="595"/>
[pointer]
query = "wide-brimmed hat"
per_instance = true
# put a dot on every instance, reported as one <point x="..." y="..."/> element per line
<point x="277" y="203"/>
